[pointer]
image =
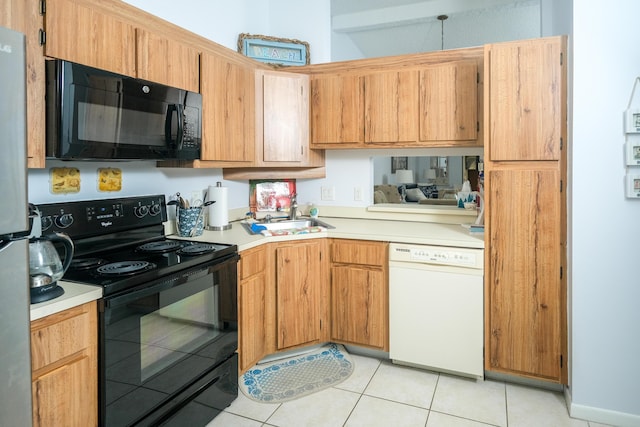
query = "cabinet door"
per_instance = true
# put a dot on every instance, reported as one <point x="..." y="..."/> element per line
<point x="391" y="107"/>
<point x="526" y="90"/>
<point x="64" y="348"/>
<point x="252" y="307"/>
<point x="285" y="117"/>
<point x="165" y="61"/>
<point x="449" y="102"/>
<point x="24" y="16"/>
<point x="337" y="109"/>
<point x="524" y="278"/>
<point x="298" y="293"/>
<point x="228" y="110"/>
<point x="358" y="300"/>
<point x="252" y="339"/>
<point x="60" y="396"/>
<point x="87" y="36"/>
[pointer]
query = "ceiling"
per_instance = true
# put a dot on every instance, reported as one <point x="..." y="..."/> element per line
<point x="391" y="27"/>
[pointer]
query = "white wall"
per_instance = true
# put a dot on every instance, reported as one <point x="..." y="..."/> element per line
<point x="605" y="239"/>
<point x="403" y="29"/>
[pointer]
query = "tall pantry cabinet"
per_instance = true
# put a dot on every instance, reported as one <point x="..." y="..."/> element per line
<point x="525" y="190"/>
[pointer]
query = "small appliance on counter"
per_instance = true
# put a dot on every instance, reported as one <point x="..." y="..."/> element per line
<point x="45" y="266"/>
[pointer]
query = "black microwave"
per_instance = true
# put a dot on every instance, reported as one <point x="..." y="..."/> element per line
<point x="98" y="115"/>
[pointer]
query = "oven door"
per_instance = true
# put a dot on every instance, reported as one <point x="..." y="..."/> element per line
<point x="158" y="342"/>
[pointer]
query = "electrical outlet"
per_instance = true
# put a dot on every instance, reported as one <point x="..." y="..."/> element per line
<point x="357" y="194"/>
<point x="195" y="195"/>
<point x="328" y="193"/>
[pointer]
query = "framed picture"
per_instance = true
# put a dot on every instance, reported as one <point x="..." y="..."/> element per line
<point x="270" y="196"/>
<point x="399" y="163"/>
<point x="274" y="50"/>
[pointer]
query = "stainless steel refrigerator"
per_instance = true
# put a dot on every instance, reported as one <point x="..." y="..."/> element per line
<point x="15" y="353"/>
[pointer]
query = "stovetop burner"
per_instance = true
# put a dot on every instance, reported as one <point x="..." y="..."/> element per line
<point x="159" y="247"/>
<point x="197" y="249"/>
<point x="86" y="263"/>
<point x="125" y="268"/>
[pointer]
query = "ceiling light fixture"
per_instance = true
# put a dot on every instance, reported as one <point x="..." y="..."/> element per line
<point x="442" y="18"/>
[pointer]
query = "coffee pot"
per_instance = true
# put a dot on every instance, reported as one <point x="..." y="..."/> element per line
<point x="45" y="266"/>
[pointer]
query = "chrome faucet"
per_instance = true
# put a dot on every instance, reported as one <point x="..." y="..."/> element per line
<point x="293" y="207"/>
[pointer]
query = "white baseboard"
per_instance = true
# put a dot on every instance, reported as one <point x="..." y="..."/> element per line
<point x="599" y="415"/>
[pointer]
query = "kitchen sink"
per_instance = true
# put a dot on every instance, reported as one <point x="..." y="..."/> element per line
<point x="287" y="224"/>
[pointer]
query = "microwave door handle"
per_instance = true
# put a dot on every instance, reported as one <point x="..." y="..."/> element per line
<point x="168" y="124"/>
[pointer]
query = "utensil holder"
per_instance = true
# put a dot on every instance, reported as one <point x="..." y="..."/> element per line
<point x="190" y="222"/>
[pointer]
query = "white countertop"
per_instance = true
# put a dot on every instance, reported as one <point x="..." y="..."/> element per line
<point x="425" y="233"/>
<point x="75" y="294"/>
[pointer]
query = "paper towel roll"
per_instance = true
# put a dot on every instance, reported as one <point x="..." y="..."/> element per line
<point x="219" y="211"/>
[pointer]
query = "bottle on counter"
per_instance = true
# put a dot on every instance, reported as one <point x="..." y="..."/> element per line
<point x="313" y="211"/>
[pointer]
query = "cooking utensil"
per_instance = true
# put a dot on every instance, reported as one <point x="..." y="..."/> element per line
<point x="200" y="215"/>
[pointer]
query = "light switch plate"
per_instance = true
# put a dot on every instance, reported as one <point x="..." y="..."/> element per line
<point x="357" y="194"/>
<point x="328" y="193"/>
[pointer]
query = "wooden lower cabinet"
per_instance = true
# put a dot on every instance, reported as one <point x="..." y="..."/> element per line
<point x="359" y="293"/>
<point x="64" y="361"/>
<point x="525" y="286"/>
<point x="300" y="282"/>
<point x="289" y="296"/>
<point x="252" y="307"/>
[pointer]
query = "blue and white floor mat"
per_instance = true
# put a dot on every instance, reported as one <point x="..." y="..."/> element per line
<point x="297" y="376"/>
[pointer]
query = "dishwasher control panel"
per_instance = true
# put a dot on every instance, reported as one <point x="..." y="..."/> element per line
<point x="441" y="255"/>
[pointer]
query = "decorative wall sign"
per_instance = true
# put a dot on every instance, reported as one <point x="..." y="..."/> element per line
<point x="109" y="179"/>
<point x="274" y="50"/>
<point x="65" y="180"/>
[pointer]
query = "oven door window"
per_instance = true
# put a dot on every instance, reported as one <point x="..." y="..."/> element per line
<point x="161" y="338"/>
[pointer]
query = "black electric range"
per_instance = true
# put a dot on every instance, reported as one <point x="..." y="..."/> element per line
<point x="120" y="243"/>
<point x="167" y="322"/>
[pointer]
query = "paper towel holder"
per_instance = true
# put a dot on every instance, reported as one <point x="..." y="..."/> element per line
<point x="222" y="227"/>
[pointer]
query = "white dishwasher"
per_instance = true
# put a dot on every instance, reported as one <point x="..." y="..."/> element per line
<point x="436" y="308"/>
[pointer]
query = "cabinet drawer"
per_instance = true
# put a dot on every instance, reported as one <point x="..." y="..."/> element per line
<point x="58" y="336"/>
<point x="359" y="252"/>
<point x="252" y="261"/>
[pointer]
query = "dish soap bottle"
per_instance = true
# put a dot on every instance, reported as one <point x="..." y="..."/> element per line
<point x="313" y="211"/>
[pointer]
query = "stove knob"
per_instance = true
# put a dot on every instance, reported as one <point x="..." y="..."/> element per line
<point x="155" y="210"/>
<point x="64" y="220"/>
<point x="46" y="222"/>
<point x="141" y="211"/>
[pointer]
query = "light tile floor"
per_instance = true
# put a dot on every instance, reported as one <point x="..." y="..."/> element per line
<point x="379" y="393"/>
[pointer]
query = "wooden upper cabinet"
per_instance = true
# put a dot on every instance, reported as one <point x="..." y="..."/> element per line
<point x="449" y="102"/>
<point x="228" y="110"/>
<point x="282" y="119"/>
<point x="337" y="115"/>
<point x="391" y="107"/>
<point x="24" y="16"/>
<point x="88" y="36"/>
<point x="525" y="82"/>
<point x="165" y="61"/>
